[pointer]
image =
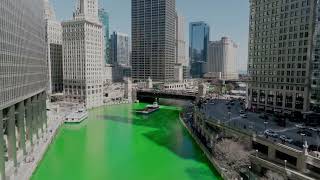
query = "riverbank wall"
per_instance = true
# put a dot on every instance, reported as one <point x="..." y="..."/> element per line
<point x="215" y="164"/>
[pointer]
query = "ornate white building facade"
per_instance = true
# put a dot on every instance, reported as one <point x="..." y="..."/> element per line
<point x="83" y="56"/>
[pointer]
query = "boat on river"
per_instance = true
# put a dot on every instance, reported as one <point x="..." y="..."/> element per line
<point x="149" y="109"/>
<point x="77" y="117"/>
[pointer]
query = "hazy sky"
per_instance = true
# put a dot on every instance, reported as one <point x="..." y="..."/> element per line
<point x="225" y="17"/>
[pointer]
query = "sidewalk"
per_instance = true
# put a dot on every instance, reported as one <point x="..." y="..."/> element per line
<point x="28" y="164"/>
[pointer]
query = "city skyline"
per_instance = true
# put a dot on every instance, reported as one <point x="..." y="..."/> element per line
<point x="214" y="12"/>
<point x="157" y="90"/>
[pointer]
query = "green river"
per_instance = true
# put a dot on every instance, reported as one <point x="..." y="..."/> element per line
<point x="116" y="144"/>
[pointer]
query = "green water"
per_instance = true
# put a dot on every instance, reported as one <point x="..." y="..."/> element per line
<point x="116" y="144"/>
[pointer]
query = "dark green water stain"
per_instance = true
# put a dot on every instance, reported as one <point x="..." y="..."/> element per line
<point x="116" y="144"/>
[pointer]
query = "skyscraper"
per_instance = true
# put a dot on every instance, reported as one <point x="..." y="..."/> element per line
<point x="315" y="68"/>
<point x="280" y="55"/>
<point x="180" y="41"/>
<point x="23" y="77"/>
<point x="104" y="20"/>
<point x="222" y="59"/>
<point x="120" y="49"/>
<point x="153" y="39"/>
<point x="181" y="60"/>
<point x="198" y="48"/>
<point x="86" y="10"/>
<point x="83" y="59"/>
<point x="54" y="50"/>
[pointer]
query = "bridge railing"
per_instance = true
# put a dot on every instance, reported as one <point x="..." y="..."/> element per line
<point x="169" y="92"/>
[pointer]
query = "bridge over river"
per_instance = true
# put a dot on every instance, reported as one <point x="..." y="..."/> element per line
<point x="147" y="95"/>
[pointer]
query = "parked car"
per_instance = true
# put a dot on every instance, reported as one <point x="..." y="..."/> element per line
<point x="286" y="139"/>
<point x="300" y="126"/>
<point x="314" y="129"/>
<point x="241" y="112"/>
<point x="271" y="133"/>
<point x="244" y="115"/>
<point x="313" y="147"/>
<point x="307" y="133"/>
<point x="264" y="116"/>
<point x="298" y="143"/>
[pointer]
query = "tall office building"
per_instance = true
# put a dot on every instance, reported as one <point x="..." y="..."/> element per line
<point x="87" y="10"/>
<point x="83" y="59"/>
<point x="104" y="20"/>
<point x="120" y="57"/>
<point x="120" y="49"/>
<point x="181" y="60"/>
<point x="315" y="68"/>
<point x="198" y="48"/>
<point x="280" y="55"/>
<point x="153" y="39"/>
<point x="222" y="59"/>
<point x="54" y="50"/>
<point x="23" y="78"/>
<point x="180" y="41"/>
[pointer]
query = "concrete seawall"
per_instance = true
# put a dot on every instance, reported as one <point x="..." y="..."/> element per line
<point x="204" y="149"/>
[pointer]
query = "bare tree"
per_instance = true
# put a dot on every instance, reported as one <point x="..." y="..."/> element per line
<point x="233" y="154"/>
<point x="271" y="175"/>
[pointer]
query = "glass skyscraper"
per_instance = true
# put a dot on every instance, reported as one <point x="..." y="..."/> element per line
<point x="104" y="19"/>
<point x="198" y="48"/>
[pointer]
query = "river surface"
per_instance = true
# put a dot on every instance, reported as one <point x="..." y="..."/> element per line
<point x="114" y="143"/>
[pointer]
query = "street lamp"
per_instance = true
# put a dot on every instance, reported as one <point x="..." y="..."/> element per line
<point x="302" y="137"/>
<point x="257" y="152"/>
<point x="249" y="172"/>
<point x="229" y="114"/>
<point x="285" y="164"/>
<point x="265" y="124"/>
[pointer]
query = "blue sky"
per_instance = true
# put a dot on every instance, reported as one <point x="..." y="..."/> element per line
<point x="225" y="17"/>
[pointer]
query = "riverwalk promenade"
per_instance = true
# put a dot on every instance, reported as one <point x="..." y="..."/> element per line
<point x="27" y="165"/>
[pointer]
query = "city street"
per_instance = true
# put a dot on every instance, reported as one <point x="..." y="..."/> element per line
<point x="218" y="110"/>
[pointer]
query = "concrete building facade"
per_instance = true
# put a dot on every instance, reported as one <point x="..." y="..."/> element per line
<point x="222" y="59"/>
<point x="54" y="50"/>
<point x="153" y="39"/>
<point x="86" y="10"/>
<point x="280" y="55"/>
<point x="180" y="41"/>
<point x="315" y="67"/>
<point x="178" y="73"/>
<point x="23" y="78"/>
<point x="83" y="57"/>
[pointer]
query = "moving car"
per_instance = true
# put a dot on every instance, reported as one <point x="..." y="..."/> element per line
<point x="286" y="139"/>
<point x="271" y="133"/>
